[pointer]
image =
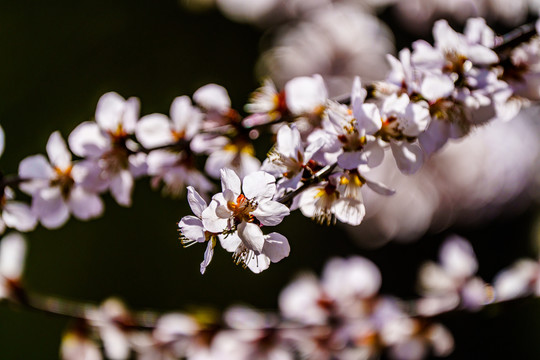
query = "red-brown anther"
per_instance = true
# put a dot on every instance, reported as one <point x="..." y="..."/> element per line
<point x="242" y="208"/>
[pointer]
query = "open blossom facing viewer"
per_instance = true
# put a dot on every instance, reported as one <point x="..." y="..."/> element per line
<point x="56" y="187"/>
<point x="175" y="166"/>
<point x="242" y="209"/>
<point x="107" y="148"/>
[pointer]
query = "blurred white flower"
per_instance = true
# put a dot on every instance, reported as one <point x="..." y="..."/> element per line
<point x="105" y="147"/>
<point x="12" y="254"/>
<point x="338" y="41"/>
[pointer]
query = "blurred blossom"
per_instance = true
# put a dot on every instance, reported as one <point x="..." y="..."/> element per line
<point x="419" y="14"/>
<point x="12" y="254"/>
<point x="338" y="42"/>
<point x="492" y="171"/>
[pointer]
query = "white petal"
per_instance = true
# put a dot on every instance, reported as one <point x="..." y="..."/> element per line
<point x="19" y="216"/>
<point x="12" y="253"/>
<point x="208" y="254"/>
<point x="35" y="167"/>
<point x="271" y="213"/>
<point x="252" y="236"/>
<point x="113" y="111"/>
<point x="349" y="211"/>
<point x="304" y="94"/>
<point x="196" y="202"/>
<point x="258" y="263"/>
<point x="2" y="141"/>
<point x="230" y="242"/>
<point x="230" y="181"/>
<point x="409" y="156"/>
<point x="276" y="247"/>
<point x="259" y="185"/>
<point x="441" y="340"/>
<point x="458" y="258"/>
<point x="84" y="205"/>
<point x="211" y="221"/>
<point x="58" y="152"/>
<point x="351" y="278"/>
<point x="192" y="228"/>
<point x="185" y="117"/>
<point x="87" y="140"/>
<point x="212" y="97"/>
<point x="121" y="187"/>
<point x="368" y="118"/>
<point x="154" y="130"/>
<point x="433" y="279"/>
<point x="50" y="207"/>
<point x="288" y="141"/>
<point x="435" y="87"/>
<point x="516" y="281"/>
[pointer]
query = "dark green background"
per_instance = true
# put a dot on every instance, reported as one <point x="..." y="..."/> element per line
<point x="58" y="57"/>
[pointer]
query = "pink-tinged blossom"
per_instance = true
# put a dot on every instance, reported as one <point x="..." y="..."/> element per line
<point x="215" y="102"/>
<point x="521" y="279"/>
<point x="403" y="121"/>
<point x="113" y="321"/>
<point x="238" y="155"/>
<point x="243" y="207"/>
<point x="15" y="214"/>
<point x="109" y="161"/>
<point x="56" y="186"/>
<point x="452" y="283"/>
<point x="352" y="142"/>
<point x="267" y="103"/>
<point x="288" y="159"/>
<point x="253" y="335"/>
<point x="12" y="254"/>
<point x="192" y="230"/>
<point x="175" y="167"/>
<point x="78" y="346"/>
<point x="158" y="130"/>
<point x="172" y="338"/>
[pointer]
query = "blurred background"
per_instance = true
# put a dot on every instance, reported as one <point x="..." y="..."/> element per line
<point x="58" y="57"/>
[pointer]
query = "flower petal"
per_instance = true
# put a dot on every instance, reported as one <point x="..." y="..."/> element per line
<point x="270" y="213"/>
<point x="252" y="236"/>
<point x="19" y="216"/>
<point x="259" y="185"/>
<point x="87" y="140"/>
<point x="50" y="207"/>
<point x="192" y="228"/>
<point x="121" y="187"/>
<point x="84" y="205"/>
<point x="409" y="156"/>
<point x="12" y="253"/>
<point x="58" y="152"/>
<point x="276" y="247"/>
<point x="212" y="97"/>
<point x="154" y="130"/>
<point x="230" y="181"/>
<point x="196" y="202"/>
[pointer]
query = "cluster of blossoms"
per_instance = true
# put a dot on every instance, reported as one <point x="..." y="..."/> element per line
<point x="340" y="315"/>
<point x="324" y="153"/>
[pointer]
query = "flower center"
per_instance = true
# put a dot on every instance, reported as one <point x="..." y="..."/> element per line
<point x="63" y="180"/>
<point x="242" y="208"/>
